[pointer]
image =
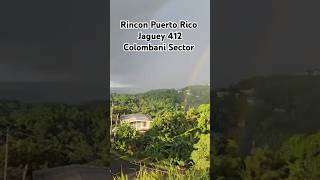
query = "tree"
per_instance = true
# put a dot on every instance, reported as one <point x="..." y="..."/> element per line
<point x="204" y="118"/>
<point x="49" y="135"/>
<point x="302" y="154"/>
<point x="124" y="138"/>
<point x="263" y="164"/>
<point x="170" y="138"/>
<point x="201" y="155"/>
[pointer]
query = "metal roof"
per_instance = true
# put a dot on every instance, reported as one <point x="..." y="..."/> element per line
<point x="136" y="117"/>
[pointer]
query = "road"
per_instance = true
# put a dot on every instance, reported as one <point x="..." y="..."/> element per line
<point x="119" y="165"/>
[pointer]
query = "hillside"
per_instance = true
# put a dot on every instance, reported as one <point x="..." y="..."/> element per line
<point x="177" y="138"/>
<point x="46" y="135"/>
<point x="149" y="102"/>
<point x="268" y="110"/>
<point x="195" y="95"/>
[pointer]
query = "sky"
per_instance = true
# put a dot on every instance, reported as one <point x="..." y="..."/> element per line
<point x="264" y="38"/>
<point x="57" y="50"/>
<point x="145" y="71"/>
<point x="53" y="50"/>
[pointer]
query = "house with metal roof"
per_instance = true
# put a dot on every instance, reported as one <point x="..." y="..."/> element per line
<point x="140" y="122"/>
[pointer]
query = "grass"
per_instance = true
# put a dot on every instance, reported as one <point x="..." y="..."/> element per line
<point x="162" y="170"/>
<point x="121" y="177"/>
<point x="171" y="173"/>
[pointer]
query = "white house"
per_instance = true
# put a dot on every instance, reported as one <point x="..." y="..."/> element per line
<point x="140" y="122"/>
<point x="221" y="94"/>
<point x="248" y="91"/>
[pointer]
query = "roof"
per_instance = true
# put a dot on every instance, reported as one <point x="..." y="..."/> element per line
<point x="136" y="117"/>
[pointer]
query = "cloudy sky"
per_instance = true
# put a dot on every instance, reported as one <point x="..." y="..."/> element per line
<point x="144" y="71"/>
<point x="53" y="50"/>
<point x="263" y="38"/>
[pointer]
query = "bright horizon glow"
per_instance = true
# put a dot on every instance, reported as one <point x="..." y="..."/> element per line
<point x="115" y="84"/>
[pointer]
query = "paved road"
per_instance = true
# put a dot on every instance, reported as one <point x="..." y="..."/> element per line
<point x="75" y="171"/>
<point x="119" y="165"/>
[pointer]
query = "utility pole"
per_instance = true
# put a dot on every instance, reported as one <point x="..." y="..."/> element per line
<point x="111" y="115"/>
<point x="25" y="170"/>
<point x="6" y="156"/>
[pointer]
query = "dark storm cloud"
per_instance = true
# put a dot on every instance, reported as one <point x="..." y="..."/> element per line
<point x="265" y="37"/>
<point x="146" y="71"/>
<point x="133" y="10"/>
<point x="53" y="36"/>
<point x="61" y="43"/>
<point x="52" y="92"/>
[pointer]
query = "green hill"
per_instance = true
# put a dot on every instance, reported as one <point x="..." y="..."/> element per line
<point x="196" y="95"/>
<point x="268" y="110"/>
<point x="152" y="101"/>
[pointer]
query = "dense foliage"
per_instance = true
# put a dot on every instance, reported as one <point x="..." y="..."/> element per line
<point x="258" y="123"/>
<point x="50" y="135"/>
<point x="297" y="158"/>
<point x="179" y="134"/>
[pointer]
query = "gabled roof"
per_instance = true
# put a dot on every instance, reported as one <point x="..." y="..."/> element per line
<point x="136" y="116"/>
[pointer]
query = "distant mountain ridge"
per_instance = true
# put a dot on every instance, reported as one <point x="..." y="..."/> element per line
<point x="193" y="95"/>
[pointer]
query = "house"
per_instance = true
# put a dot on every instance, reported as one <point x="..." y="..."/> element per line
<point x="251" y="100"/>
<point x="140" y="122"/>
<point x="313" y="72"/>
<point x="248" y="91"/>
<point x="188" y="92"/>
<point x="221" y="94"/>
<point x="279" y="110"/>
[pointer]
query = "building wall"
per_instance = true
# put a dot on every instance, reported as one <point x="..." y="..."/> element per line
<point x="140" y="125"/>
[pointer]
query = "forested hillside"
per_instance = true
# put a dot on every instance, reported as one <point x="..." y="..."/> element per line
<point x="268" y="128"/>
<point x="178" y="141"/>
<point x="51" y="135"/>
<point x="152" y="101"/>
<point x="276" y="108"/>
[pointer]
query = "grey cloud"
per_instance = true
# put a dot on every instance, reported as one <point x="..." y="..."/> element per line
<point x="162" y="70"/>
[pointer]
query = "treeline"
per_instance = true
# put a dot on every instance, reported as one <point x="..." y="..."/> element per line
<point x="154" y="101"/>
<point x="50" y="135"/>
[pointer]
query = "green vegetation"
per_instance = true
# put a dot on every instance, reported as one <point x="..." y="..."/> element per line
<point x="125" y="135"/>
<point x="178" y="141"/>
<point x="267" y="128"/>
<point x="50" y="135"/>
<point x="170" y="173"/>
<point x="268" y="110"/>
<point x="297" y="158"/>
